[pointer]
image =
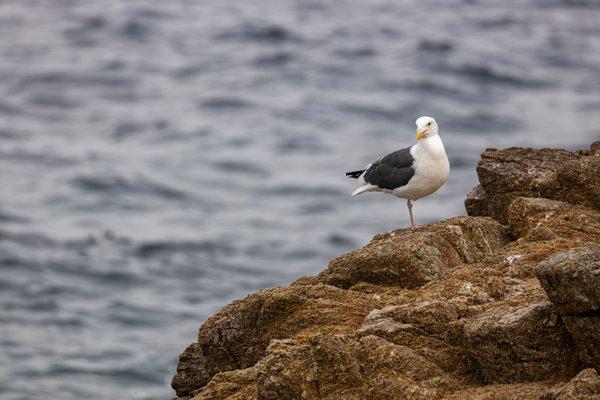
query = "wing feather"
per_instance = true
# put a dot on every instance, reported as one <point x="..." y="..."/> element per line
<point x="392" y="171"/>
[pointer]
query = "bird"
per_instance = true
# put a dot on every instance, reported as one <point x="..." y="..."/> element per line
<point x="410" y="173"/>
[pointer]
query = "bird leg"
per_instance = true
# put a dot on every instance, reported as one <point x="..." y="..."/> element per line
<point x="412" y="220"/>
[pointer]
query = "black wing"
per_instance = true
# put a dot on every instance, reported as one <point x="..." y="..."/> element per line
<point x="392" y="171"/>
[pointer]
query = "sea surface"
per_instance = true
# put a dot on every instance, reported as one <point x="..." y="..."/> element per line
<point x="159" y="159"/>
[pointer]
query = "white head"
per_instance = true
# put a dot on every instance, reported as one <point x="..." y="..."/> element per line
<point x="426" y="127"/>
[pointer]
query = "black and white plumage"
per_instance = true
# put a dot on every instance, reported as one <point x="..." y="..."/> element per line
<point x="411" y="173"/>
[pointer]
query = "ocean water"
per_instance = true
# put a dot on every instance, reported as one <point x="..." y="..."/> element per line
<point x="159" y="159"/>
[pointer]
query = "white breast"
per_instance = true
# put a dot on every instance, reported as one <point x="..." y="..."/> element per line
<point x="431" y="169"/>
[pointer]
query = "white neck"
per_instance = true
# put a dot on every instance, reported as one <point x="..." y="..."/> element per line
<point x="432" y="142"/>
<point x="432" y="145"/>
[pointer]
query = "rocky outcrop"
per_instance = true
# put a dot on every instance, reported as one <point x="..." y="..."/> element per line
<point x="549" y="173"/>
<point x="572" y="281"/>
<point x="520" y="343"/>
<point x="238" y="336"/>
<point x="334" y="367"/>
<point x="585" y="330"/>
<point x="410" y="259"/>
<point x="584" y="386"/>
<point x="502" y="304"/>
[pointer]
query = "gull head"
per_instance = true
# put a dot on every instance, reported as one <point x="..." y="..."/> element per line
<point x="426" y="127"/>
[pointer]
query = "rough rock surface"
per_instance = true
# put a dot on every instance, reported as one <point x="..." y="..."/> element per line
<point x="333" y="367"/>
<point x="522" y="343"/>
<point x="585" y="331"/>
<point x="237" y="337"/>
<point x="409" y="259"/>
<point x="584" y="386"/>
<point x="503" y="304"/>
<point x="572" y="279"/>
<point x="550" y="173"/>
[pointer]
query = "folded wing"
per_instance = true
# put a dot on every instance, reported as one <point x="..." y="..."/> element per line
<point x="392" y="171"/>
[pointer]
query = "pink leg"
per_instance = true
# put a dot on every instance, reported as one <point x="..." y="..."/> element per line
<point x="412" y="220"/>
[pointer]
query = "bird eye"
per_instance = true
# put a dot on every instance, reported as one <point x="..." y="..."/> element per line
<point x="429" y="123"/>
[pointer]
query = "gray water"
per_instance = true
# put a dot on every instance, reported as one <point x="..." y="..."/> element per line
<point x="159" y="159"/>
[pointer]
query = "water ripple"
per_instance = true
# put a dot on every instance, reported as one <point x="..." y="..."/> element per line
<point x="117" y="184"/>
<point x="264" y="32"/>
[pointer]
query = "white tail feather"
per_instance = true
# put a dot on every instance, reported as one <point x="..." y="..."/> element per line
<point x="362" y="189"/>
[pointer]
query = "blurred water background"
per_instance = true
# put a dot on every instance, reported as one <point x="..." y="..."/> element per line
<point x="161" y="158"/>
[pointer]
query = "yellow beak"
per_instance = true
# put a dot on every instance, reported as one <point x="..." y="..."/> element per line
<point x="420" y="134"/>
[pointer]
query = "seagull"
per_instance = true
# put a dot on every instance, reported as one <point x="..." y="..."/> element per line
<point x="411" y="173"/>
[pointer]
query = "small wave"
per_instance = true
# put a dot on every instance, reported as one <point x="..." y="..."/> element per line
<point x="82" y="40"/>
<point x="9" y="217"/>
<point x="10" y="262"/>
<point x="371" y="111"/>
<point x="52" y="100"/>
<point x="62" y="79"/>
<point x="502" y="22"/>
<point x="436" y="87"/>
<point x="82" y="35"/>
<point x="590" y="106"/>
<point x="240" y="167"/>
<point x="151" y="249"/>
<point x="117" y="184"/>
<point x="9" y="133"/>
<point x="588" y="84"/>
<point x="188" y="71"/>
<point x="27" y="239"/>
<point x="8" y="109"/>
<point x="316" y="208"/>
<point x="435" y="46"/>
<point x="462" y="162"/>
<point x="390" y="32"/>
<point x="356" y="52"/>
<point x="224" y="102"/>
<point x="128" y="128"/>
<point x="298" y="144"/>
<point x="195" y="67"/>
<point x="259" y="33"/>
<point x="135" y="29"/>
<point x="486" y="74"/>
<point x="300" y="254"/>
<point x="114" y="65"/>
<point x="89" y="24"/>
<point x="340" y="240"/>
<point x="293" y="190"/>
<point x="583" y="4"/>
<point x="274" y="59"/>
<point x="125" y="313"/>
<point x="122" y="278"/>
<point x="33" y="306"/>
<point x="128" y="374"/>
<point x="483" y="122"/>
<point x="64" y="322"/>
<point x="84" y="244"/>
